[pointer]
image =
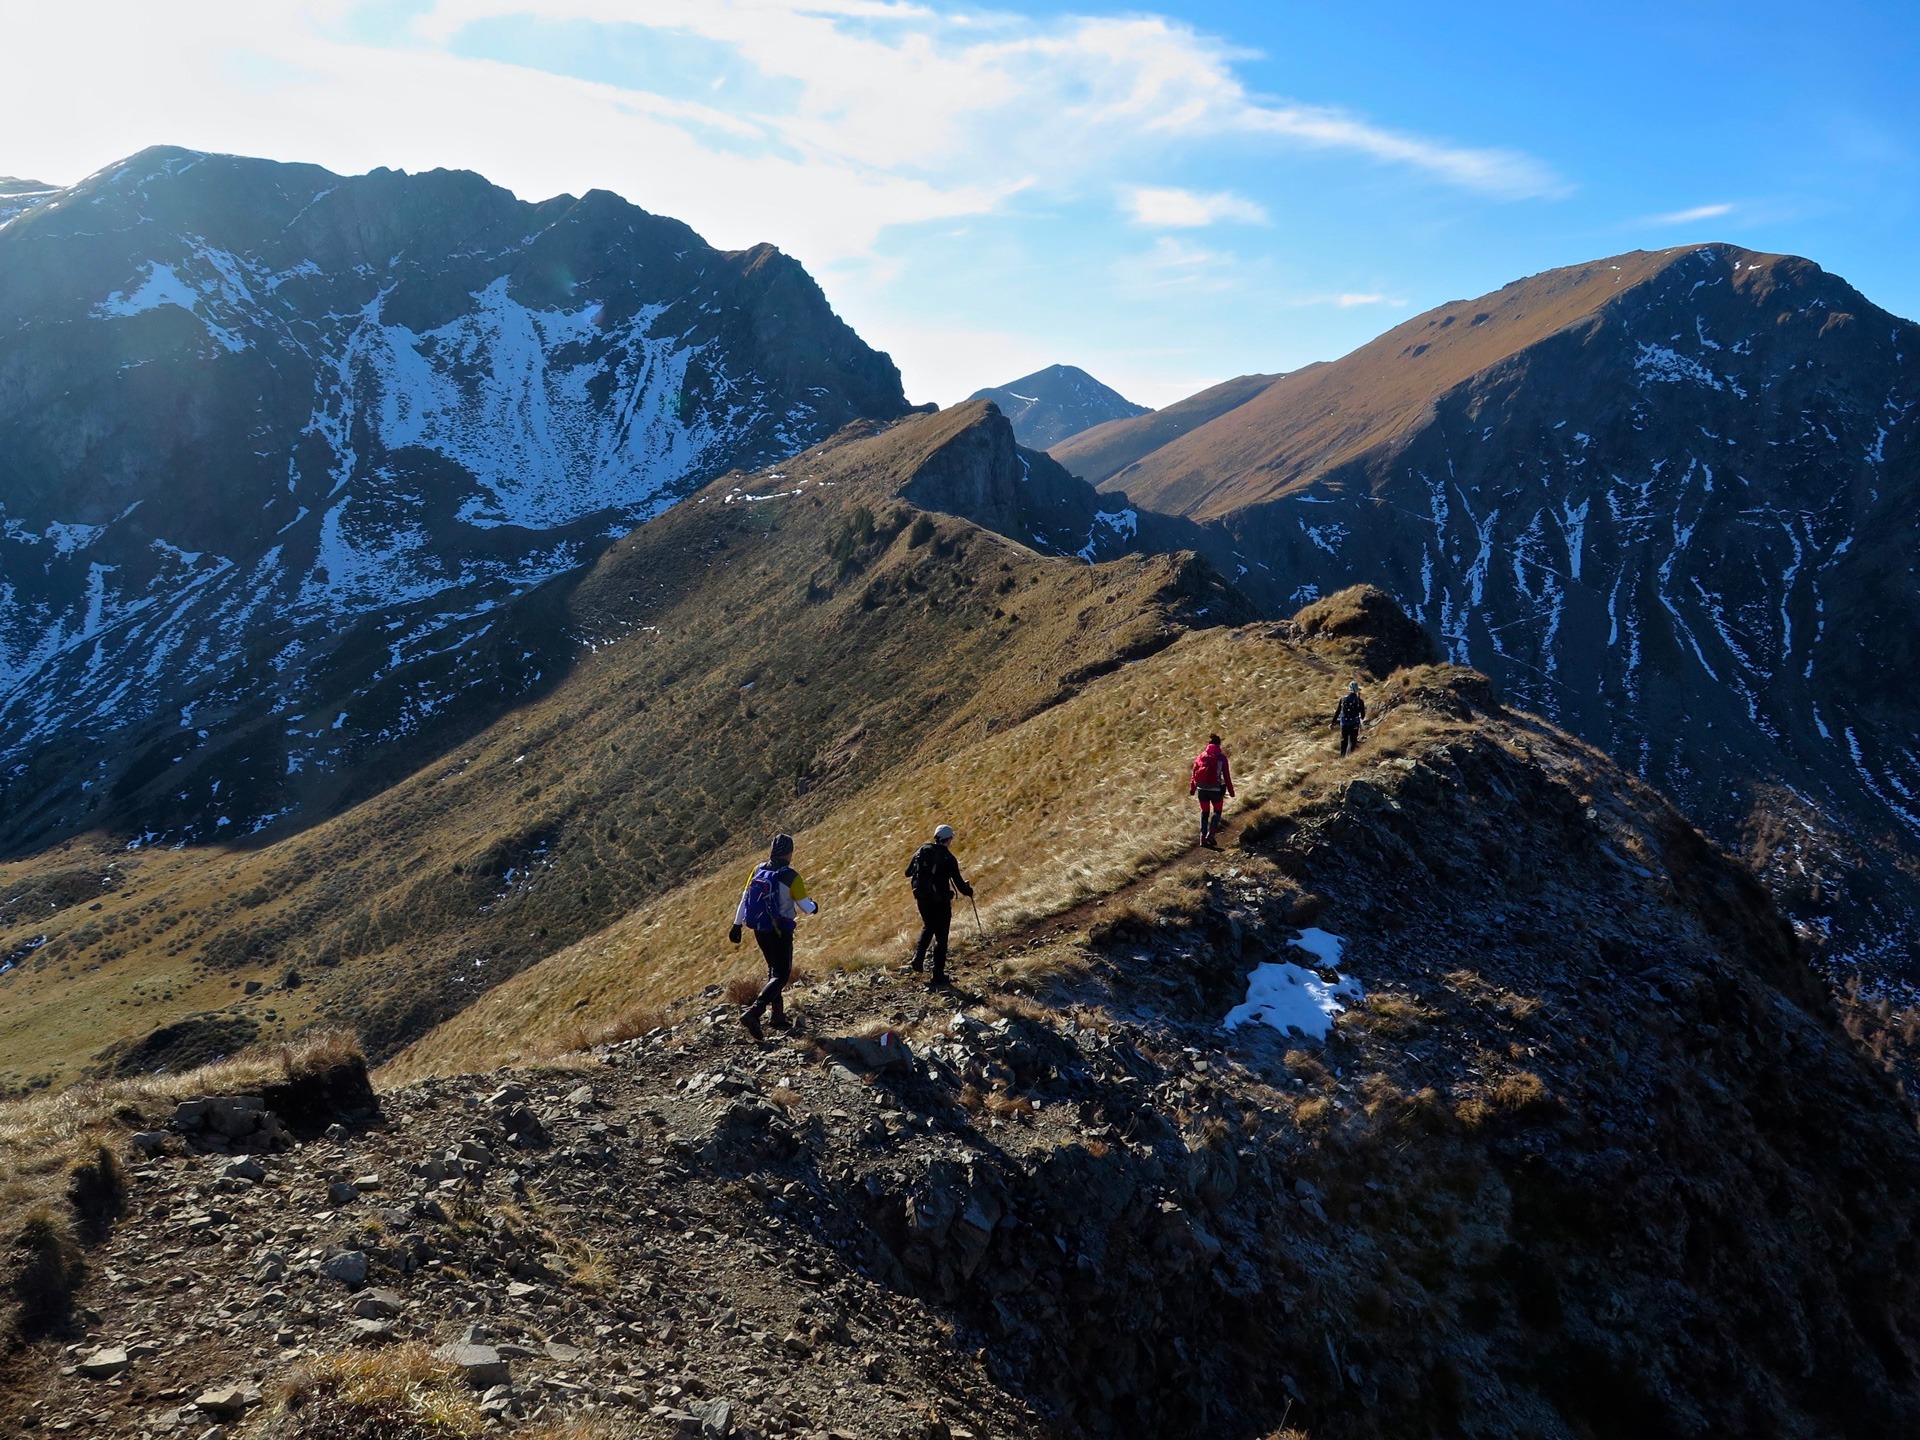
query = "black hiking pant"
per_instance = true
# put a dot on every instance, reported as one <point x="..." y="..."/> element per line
<point x="936" y="919"/>
<point x="1349" y="736"/>
<point x="777" y="946"/>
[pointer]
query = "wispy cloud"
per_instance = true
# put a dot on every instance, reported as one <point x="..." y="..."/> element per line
<point x="1166" y="207"/>
<point x="1510" y="174"/>
<point x="1349" y="299"/>
<point x="859" y="135"/>
<point x="1686" y="217"/>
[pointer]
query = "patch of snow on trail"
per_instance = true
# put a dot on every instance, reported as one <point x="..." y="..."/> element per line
<point x="1288" y="997"/>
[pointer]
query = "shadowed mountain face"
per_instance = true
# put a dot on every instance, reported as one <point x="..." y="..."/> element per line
<point x="1666" y="499"/>
<point x="1051" y="404"/>
<point x="276" y="443"/>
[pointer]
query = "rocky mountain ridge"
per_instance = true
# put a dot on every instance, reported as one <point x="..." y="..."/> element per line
<point x="279" y="444"/>
<point x="1665" y="499"/>
<point x="830" y="616"/>
<point x="1623" y="1176"/>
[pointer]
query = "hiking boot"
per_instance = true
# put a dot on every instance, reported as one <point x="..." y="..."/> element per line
<point x="781" y="1022"/>
<point x="752" y="1022"/>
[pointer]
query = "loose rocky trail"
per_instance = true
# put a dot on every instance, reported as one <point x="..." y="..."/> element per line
<point x="675" y="1229"/>
<point x="1558" y="1174"/>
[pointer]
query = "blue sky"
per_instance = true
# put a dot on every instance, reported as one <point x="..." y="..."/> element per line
<point x="1166" y="195"/>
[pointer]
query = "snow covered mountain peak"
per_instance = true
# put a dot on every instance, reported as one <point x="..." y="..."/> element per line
<point x="274" y="438"/>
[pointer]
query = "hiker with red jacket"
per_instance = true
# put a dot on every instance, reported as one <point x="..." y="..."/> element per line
<point x="1212" y="780"/>
<point x="774" y="896"/>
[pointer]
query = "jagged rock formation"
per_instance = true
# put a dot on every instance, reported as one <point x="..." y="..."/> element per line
<point x="277" y="445"/>
<point x="1050" y="405"/>
<point x="1666" y="499"/>
<point x="1577" y="1149"/>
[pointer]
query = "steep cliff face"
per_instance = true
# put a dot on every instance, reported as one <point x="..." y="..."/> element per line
<point x="276" y="443"/>
<point x="1666" y="499"/>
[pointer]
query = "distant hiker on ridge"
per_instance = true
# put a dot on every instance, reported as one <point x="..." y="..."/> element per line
<point x="1348" y="714"/>
<point x="767" y="907"/>
<point x="1211" y="778"/>
<point x="935" y="875"/>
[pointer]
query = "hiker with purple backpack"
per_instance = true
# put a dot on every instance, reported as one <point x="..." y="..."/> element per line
<point x="775" y="896"/>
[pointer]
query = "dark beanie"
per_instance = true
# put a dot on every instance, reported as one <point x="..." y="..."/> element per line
<point x="782" y="847"/>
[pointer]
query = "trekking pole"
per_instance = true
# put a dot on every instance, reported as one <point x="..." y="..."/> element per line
<point x="979" y="932"/>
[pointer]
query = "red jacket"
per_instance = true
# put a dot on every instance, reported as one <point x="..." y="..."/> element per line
<point x="1210" y="762"/>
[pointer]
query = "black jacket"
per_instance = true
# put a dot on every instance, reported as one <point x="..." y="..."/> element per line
<point x="1351" y="710"/>
<point x="935" y="873"/>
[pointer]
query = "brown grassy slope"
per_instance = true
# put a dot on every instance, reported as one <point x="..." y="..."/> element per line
<point x="1096" y="454"/>
<point x="750" y="659"/>
<point x="1314" y="419"/>
<point x="1075" y="803"/>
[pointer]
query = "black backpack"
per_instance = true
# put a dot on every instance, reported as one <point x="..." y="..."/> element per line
<point x="923" y="872"/>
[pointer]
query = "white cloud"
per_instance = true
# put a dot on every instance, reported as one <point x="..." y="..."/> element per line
<point x="1349" y="299"/>
<point x="852" y="133"/>
<point x="1506" y="173"/>
<point x="899" y="113"/>
<point x="1687" y="217"/>
<point x="1165" y="207"/>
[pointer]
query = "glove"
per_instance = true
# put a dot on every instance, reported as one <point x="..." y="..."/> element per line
<point x="966" y="889"/>
<point x="734" y="934"/>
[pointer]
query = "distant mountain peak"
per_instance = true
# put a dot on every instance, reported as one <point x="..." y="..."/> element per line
<point x="1665" y="498"/>
<point x="1053" y="404"/>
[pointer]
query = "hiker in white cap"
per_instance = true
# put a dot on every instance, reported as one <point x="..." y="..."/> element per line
<point x="935" y="875"/>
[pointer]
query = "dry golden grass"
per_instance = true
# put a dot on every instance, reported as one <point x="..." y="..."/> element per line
<point x="604" y="794"/>
<point x="1313" y="1113"/>
<point x="1518" y="1095"/>
<point x="1390" y="1016"/>
<point x="1008" y="1105"/>
<point x="1021" y="1007"/>
<point x="591" y="1427"/>
<point x="404" y="1392"/>
<point x="1036" y="837"/>
<point x="1306" y="1066"/>
<point x="588" y="1267"/>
